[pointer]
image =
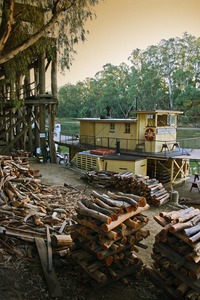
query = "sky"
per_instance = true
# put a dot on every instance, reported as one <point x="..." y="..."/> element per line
<point x="121" y="26"/>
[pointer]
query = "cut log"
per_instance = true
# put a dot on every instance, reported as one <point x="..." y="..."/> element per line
<point x="197" y="247"/>
<point x="133" y="224"/>
<point x="120" y="197"/>
<point x="161" y="201"/>
<point x="122" y="218"/>
<point x="109" y="261"/>
<point x="112" y="273"/>
<point x="139" y="199"/>
<point x="37" y="220"/>
<point x="93" y="266"/>
<point x="116" y="210"/>
<point x="180" y="226"/>
<point x="93" y="206"/>
<point x="111" y="234"/>
<point x="195" y="237"/>
<point x="98" y="275"/>
<point x="192" y="230"/>
<point x="105" y="198"/>
<point x="158" y="192"/>
<point x="106" y="244"/>
<point x="82" y="209"/>
<point x="61" y="240"/>
<point x="175" y="214"/>
<point x="131" y="239"/>
<point x="189" y="216"/>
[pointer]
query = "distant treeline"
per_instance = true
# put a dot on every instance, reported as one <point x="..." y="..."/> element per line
<point x="165" y="76"/>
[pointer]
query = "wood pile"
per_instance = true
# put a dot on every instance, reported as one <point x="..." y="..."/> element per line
<point x="98" y="178"/>
<point x="33" y="214"/>
<point x="127" y="182"/>
<point x="27" y="206"/>
<point x="108" y="229"/>
<point x="176" y="254"/>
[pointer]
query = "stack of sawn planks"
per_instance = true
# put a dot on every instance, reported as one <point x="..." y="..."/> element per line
<point x="127" y="182"/>
<point x="176" y="254"/>
<point x="108" y="229"/>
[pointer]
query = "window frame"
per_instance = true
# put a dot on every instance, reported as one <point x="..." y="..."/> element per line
<point x="127" y="128"/>
<point x="112" y="127"/>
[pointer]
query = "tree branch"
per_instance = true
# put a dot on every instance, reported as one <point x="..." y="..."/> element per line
<point x="7" y="22"/>
<point x="36" y="36"/>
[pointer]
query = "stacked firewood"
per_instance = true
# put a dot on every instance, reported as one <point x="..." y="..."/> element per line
<point x="33" y="214"/>
<point x="98" y="178"/>
<point x="141" y="185"/>
<point x="108" y="229"/>
<point x="127" y="182"/>
<point x="27" y="206"/>
<point x="176" y="253"/>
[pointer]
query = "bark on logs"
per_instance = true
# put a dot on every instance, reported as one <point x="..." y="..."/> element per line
<point x="110" y="243"/>
<point x="134" y="186"/>
<point x="177" y="251"/>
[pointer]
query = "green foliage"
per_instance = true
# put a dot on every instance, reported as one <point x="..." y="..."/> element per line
<point x="29" y="29"/>
<point x="165" y="76"/>
<point x="35" y="28"/>
<point x="189" y="102"/>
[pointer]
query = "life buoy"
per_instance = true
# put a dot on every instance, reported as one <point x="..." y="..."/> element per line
<point x="149" y="134"/>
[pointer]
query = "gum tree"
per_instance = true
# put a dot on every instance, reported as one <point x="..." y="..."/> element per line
<point x="34" y="35"/>
<point x="64" y="20"/>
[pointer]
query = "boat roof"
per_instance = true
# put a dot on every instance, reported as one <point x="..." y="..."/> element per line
<point x="147" y="112"/>
<point x="107" y="120"/>
<point x="159" y="111"/>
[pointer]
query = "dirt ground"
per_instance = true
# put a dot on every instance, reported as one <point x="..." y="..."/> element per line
<point x="23" y="278"/>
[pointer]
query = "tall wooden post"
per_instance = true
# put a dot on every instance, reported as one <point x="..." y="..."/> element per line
<point x="36" y="109"/>
<point x="172" y="175"/>
<point x="30" y="132"/>
<point x="42" y="106"/>
<point x="53" y="109"/>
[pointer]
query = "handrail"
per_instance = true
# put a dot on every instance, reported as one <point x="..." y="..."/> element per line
<point x="128" y="144"/>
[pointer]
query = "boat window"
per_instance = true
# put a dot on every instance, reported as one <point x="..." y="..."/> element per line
<point x="171" y="120"/>
<point x="166" y="120"/>
<point x="112" y="127"/>
<point x="162" y="120"/>
<point x="127" y="128"/>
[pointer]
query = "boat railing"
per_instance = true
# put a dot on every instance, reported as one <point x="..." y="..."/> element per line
<point x="128" y="145"/>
